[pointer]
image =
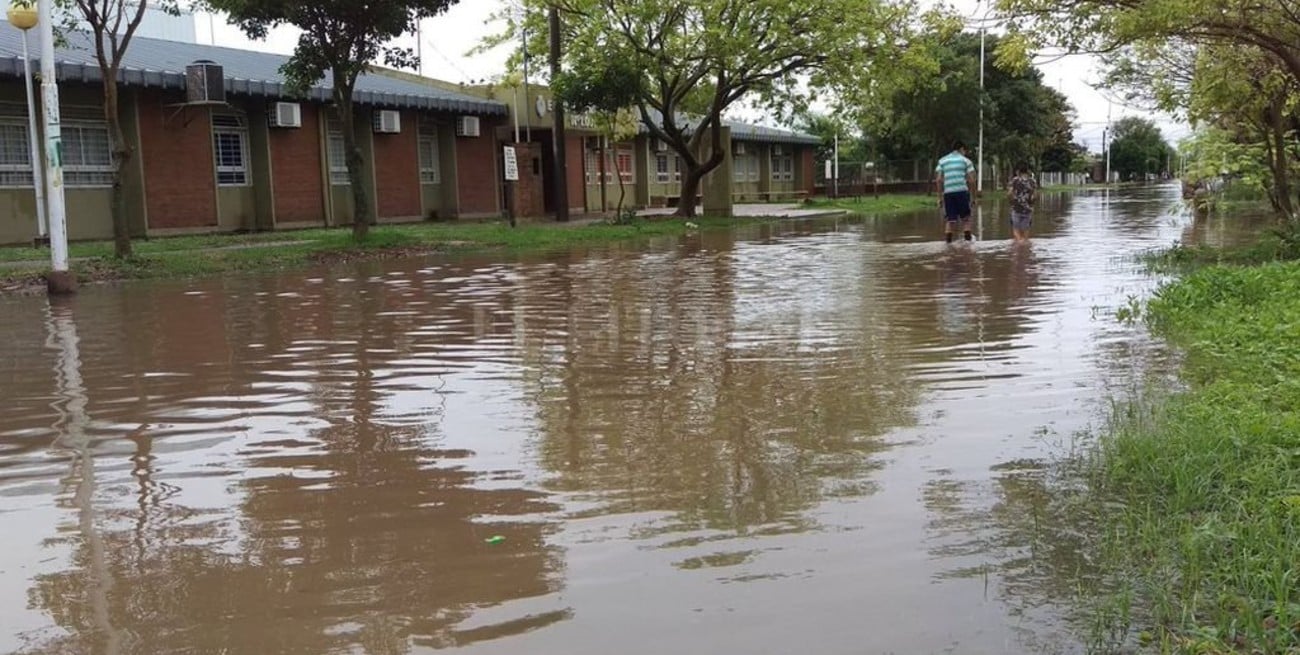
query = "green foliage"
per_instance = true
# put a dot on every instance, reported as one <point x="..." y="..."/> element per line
<point x="1138" y="148"/>
<point x="1024" y="119"/>
<point x="698" y="58"/>
<point x="1200" y="493"/>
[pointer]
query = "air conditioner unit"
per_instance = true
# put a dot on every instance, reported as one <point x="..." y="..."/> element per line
<point x="286" y="114"/>
<point x="205" y="83"/>
<point x="388" y="121"/>
<point x="739" y="149"/>
<point x="467" y="126"/>
<point x="660" y="146"/>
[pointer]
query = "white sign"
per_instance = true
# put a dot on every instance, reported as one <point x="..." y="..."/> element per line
<point x="829" y="172"/>
<point x="512" y="165"/>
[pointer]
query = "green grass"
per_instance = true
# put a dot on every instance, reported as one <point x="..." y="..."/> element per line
<point x="217" y="254"/>
<point x="886" y="204"/>
<point x="1200" y="492"/>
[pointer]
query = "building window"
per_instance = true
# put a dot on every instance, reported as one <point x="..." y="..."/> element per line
<point x="625" y="165"/>
<point x="230" y="148"/>
<point x="661" y="169"/>
<point x="677" y="172"/>
<point x="15" y="155"/>
<point x="592" y="167"/>
<point x="430" y="164"/>
<point x="336" y="152"/>
<point x="782" y="168"/>
<point x="741" y="166"/>
<point x="87" y="154"/>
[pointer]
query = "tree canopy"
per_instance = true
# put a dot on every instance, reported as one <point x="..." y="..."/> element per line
<point x="1024" y="119"/>
<point x="341" y="39"/>
<point x="698" y="58"/>
<point x="1138" y="148"/>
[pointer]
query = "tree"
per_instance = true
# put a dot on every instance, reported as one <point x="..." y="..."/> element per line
<point x="609" y="92"/>
<point x="1024" y="119"/>
<point x="339" y="39"/>
<point x="113" y="24"/>
<point x="1138" y="148"/>
<point x="698" y="58"/>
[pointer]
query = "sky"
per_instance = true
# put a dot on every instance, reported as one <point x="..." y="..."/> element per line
<point x="448" y="38"/>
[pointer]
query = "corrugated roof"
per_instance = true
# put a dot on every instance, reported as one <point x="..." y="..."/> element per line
<point x="161" y="64"/>
<point x="750" y="133"/>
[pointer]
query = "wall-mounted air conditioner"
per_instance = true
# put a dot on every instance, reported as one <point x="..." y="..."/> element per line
<point x="660" y="146"/>
<point x="286" y="114"/>
<point x="468" y="126"/>
<point x="739" y="149"/>
<point x="388" y="121"/>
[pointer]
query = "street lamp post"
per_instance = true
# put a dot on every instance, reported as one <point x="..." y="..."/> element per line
<point x="979" y="183"/>
<point x="25" y="18"/>
<point x="60" y="280"/>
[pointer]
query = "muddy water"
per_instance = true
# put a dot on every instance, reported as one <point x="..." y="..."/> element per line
<point x="821" y="437"/>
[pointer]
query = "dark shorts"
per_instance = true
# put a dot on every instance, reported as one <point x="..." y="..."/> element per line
<point x="1021" y="220"/>
<point x="956" y="205"/>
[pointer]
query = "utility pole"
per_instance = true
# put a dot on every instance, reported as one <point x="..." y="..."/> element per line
<point x="60" y="280"/>
<point x="836" y="168"/>
<point x="558" y="137"/>
<point x="1105" y="143"/>
<point x="979" y="183"/>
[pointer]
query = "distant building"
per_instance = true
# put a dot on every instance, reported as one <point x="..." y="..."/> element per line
<point x="156" y="24"/>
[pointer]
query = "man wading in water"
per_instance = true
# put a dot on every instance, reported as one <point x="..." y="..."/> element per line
<point x="954" y="178"/>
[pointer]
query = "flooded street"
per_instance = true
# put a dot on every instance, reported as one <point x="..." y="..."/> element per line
<point x="822" y="437"/>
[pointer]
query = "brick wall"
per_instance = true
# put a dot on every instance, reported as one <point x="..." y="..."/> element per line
<point x="296" y="158"/>
<point x="476" y="165"/>
<point x="176" y="155"/>
<point x="576" y="156"/>
<point x="529" y="199"/>
<point x="397" y="170"/>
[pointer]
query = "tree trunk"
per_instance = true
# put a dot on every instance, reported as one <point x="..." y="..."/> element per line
<point x="352" y="154"/>
<point x="121" y="155"/>
<point x="690" y="187"/>
<point x="1279" y="163"/>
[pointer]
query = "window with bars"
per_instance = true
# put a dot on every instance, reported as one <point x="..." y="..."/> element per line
<point x="430" y="166"/>
<point x="87" y="154"/>
<point x="740" y="169"/>
<point x="336" y="151"/>
<point x="677" y="172"/>
<point x="15" y="154"/>
<point x="661" y="169"/>
<point x="625" y="165"/>
<point x="592" y="167"/>
<point x="782" y="168"/>
<point x="230" y="148"/>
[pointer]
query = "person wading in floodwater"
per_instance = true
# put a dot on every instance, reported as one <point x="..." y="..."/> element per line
<point x="954" y="179"/>
<point x="1023" y="193"/>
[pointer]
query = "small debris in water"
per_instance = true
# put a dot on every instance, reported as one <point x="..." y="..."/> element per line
<point x="495" y="539"/>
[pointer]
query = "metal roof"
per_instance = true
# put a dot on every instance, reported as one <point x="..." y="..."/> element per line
<point x="161" y="64"/>
<point x="747" y="132"/>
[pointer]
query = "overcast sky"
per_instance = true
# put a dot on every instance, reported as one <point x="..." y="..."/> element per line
<point x="449" y="37"/>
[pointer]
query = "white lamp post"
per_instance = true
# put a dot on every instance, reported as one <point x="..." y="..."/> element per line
<point x="24" y="17"/>
<point x="979" y="183"/>
<point x="60" y="280"/>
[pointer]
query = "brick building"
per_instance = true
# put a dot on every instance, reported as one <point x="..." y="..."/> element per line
<point x="259" y="160"/>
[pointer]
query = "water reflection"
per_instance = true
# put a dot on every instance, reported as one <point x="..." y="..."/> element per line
<point x="680" y="441"/>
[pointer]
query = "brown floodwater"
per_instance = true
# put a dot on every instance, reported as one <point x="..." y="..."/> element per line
<point x="816" y="437"/>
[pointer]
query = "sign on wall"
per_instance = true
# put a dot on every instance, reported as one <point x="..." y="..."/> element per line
<point x="512" y="164"/>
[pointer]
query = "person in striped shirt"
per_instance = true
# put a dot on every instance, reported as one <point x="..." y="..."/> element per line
<point x="954" y="179"/>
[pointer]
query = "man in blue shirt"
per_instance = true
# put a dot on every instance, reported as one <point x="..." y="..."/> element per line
<point x="954" y="179"/>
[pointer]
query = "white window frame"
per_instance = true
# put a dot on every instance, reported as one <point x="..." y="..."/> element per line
<point x="336" y="146"/>
<point x="593" y="167"/>
<point x="662" y="172"/>
<point x="16" y="174"/>
<point x="677" y="171"/>
<point x="783" y="168"/>
<point x="231" y="125"/>
<point x="629" y="174"/>
<point x="83" y="175"/>
<point x="430" y="155"/>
